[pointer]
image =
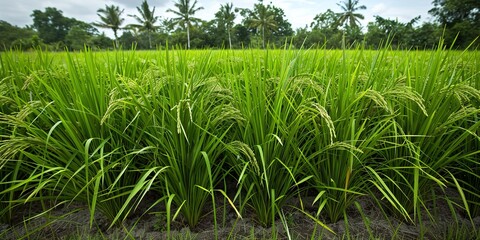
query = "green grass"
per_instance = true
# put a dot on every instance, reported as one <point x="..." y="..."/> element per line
<point x="107" y="128"/>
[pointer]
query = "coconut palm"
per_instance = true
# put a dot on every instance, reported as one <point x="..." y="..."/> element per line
<point x="185" y="14"/>
<point x="349" y="15"/>
<point x="226" y="15"/>
<point x="146" y="20"/>
<point x="110" y="18"/>
<point x="263" y="20"/>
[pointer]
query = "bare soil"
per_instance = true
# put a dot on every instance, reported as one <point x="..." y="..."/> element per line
<point x="72" y="222"/>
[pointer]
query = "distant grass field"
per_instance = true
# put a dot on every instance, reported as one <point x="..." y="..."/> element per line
<point x="106" y="128"/>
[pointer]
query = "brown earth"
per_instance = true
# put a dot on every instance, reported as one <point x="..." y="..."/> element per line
<point x="72" y="222"/>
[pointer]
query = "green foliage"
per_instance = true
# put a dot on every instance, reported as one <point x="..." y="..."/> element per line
<point x="102" y="42"/>
<point x="325" y="20"/>
<point x="110" y="17"/>
<point x="146" y="20"/>
<point x="267" y="154"/>
<point x="51" y="25"/>
<point x="268" y="21"/>
<point x="104" y="129"/>
<point x="12" y="36"/>
<point x="225" y="18"/>
<point x="263" y="24"/>
<point x="53" y="28"/>
<point x="262" y="21"/>
<point x="72" y="154"/>
<point x="77" y="38"/>
<point x="397" y="34"/>
<point x="185" y="12"/>
<point x="349" y="17"/>
<point x="460" y="18"/>
<point x="242" y="34"/>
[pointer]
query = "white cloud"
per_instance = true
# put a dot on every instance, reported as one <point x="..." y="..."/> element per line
<point x="378" y="9"/>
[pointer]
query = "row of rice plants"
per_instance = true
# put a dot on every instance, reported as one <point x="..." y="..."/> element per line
<point x="106" y="128"/>
<point x="62" y="149"/>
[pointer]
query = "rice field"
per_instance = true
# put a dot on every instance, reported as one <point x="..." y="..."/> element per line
<point x="255" y="129"/>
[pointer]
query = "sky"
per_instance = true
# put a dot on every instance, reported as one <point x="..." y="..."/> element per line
<point x="299" y="12"/>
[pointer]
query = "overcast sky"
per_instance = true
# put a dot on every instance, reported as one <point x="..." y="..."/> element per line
<point x="299" y="12"/>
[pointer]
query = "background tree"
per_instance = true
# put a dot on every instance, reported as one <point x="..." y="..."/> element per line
<point x="204" y="34"/>
<point x="80" y="35"/>
<point x="261" y="18"/>
<point x="131" y="38"/>
<point x="242" y="35"/>
<point x="324" y="31"/>
<point x="146" y="20"/>
<point x="326" y="20"/>
<point x="397" y="32"/>
<point x="51" y="25"/>
<point x="28" y="43"/>
<point x="185" y="14"/>
<point x="460" y="17"/>
<point x="349" y="17"/>
<point x="167" y="25"/>
<point x="10" y="34"/>
<point x="457" y="20"/>
<point x="304" y="38"/>
<point x="111" y="17"/>
<point x="226" y="17"/>
<point x="59" y="31"/>
<point x="426" y="36"/>
<point x="284" y="27"/>
<point x="101" y="41"/>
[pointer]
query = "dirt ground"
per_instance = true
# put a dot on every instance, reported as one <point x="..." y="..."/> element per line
<point x="72" y="222"/>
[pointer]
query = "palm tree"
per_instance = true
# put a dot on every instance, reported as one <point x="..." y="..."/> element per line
<point x="263" y="20"/>
<point x="110" y="18"/>
<point x="185" y="15"/>
<point x="226" y="15"/>
<point x="146" y="20"/>
<point x="348" y="15"/>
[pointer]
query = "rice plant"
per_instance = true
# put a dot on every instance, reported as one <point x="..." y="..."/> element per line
<point x="429" y="131"/>
<point x="260" y="127"/>
<point x="267" y="154"/>
<point x="65" y="152"/>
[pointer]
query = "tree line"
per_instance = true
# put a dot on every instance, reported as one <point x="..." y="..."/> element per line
<point x="457" y="21"/>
